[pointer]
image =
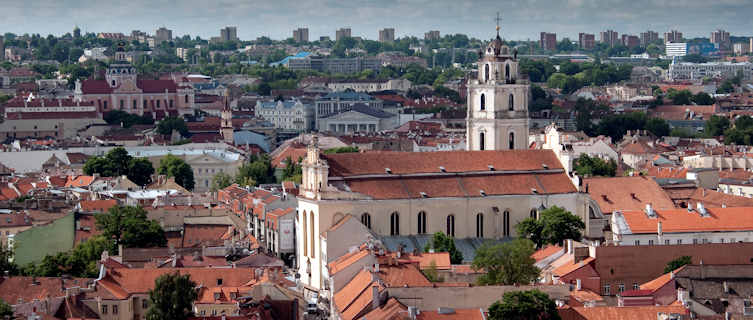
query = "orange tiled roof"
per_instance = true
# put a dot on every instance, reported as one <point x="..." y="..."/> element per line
<point x="14" y="288"/>
<point x="459" y="314"/>
<point x="545" y="252"/>
<point x="346" y="260"/>
<point x="572" y="266"/>
<point x="197" y="235"/>
<point x="402" y="275"/>
<point x="659" y="282"/>
<point x="627" y="193"/>
<point x="625" y="313"/>
<point x="79" y="181"/>
<point x="391" y="310"/>
<point x="585" y="295"/>
<point x="355" y="296"/>
<point x="441" y="260"/>
<point x="680" y="220"/>
<point x="122" y="282"/>
<point x="98" y="205"/>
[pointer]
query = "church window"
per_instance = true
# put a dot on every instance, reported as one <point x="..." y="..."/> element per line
<point x="305" y="235"/>
<point x="483" y="102"/>
<point x="186" y="98"/>
<point x="451" y="225"/>
<point x="511" y="103"/>
<point x="395" y="224"/>
<point x="486" y="72"/>
<point x="534" y="214"/>
<point x="507" y="73"/>
<point x="366" y="220"/>
<point x="104" y="105"/>
<point x="113" y="83"/>
<point x="311" y="234"/>
<point x="481" y="141"/>
<point x="422" y="222"/>
<point x="512" y="140"/>
<point x="506" y="223"/>
<point x="480" y="225"/>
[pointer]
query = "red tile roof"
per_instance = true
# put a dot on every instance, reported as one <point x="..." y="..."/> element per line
<point x="79" y="181"/>
<point x="346" y="260"/>
<point x="355" y="296"/>
<point x="123" y="282"/>
<point x="391" y="310"/>
<point x="619" y="313"/>
<point x="572" y="266"/>
<point x="627" y="193"/>
<point x="458" y="314"/>
<point x="198" y="235"/>
<point x="97" y="205"/>
<point x="680" y="220"/>
<point x="545" y="252"/>
<point x="14" y="288"/>
<point x="441" y="260"/>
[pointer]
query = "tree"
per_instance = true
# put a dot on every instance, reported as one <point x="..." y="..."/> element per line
<point x="140" y="171"/>
<point x="524" y="305"/>
<point x="341" y="150"/>
<point x="658" y="127"/>
<point x="586" y="166"/>
<point x="702" y="98"/>
<point x="172" y="297"/>
<point x="5" y="310"/>
<point x="507" y="263"/>
<point x="130" y="227"/>
<point x="553" y="226"/>
<point x="175" y="167"/>
<point x="6" y="263"/>
<point x="117" y="162"/>
<point x="167" y="125"/>
<point x="259" y="170"/>
<point x="680" y="97"/>
<point x="440" y="242"/>
<point x="293" y="171"/>
<point x="716" y="125"/>
<point x="221" y="181"/>
<point x="676" y="263"/>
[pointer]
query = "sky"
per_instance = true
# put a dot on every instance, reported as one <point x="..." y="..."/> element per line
<point x="520" y="20"/>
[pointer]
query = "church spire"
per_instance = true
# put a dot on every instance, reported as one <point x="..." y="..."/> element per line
<point x="498" y="19"/>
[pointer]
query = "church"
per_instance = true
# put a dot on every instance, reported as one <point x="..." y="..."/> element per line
<point x="482" y="192"/>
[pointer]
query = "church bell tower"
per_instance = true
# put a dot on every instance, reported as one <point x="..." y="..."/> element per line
<point x="497" y="116"/>
<point x="226" y="122"/>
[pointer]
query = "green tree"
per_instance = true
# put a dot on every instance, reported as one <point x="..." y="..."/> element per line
<point x="440" y="242"/>
<point x="726" y="87"/>
<point x="117" y="162"/>
<point x="5" y="310"/>
<point x="140" y="171"/>
<point x="716" y="125"/>
<point x="221" y="181"/>
<point x="258" y="171"/>
<point x="586" y="166"/>
<point x="702" y="98"/>
<point x="130" y="227"/>
<point x="506" y="263"/>
<point x="167" y="125"/>
<point x="431" y="273"/>
<point x="553" y="226"/>
<point x="293" y="170"/>
<point x="172" y="297"/>
<point x="175" y="167"/>
<point x="658" y="127"/>
<point x="676" y="263"/>
<point x="524" y="305"/>
<point x="680" y="97"/>
<point x="341" y="150"/>
<point x="6" y="263"/>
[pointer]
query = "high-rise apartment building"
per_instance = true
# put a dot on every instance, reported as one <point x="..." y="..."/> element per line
<point x="721" y="38"/>
<point x="432" y="35"/>
<point x="2" y="48"/>
<point x="672" y="36"/>
<point x="676" y="49"/>
<point x="586" y="40"/>
<point x="630" y="41"/>
<point x="301" y="35"/>
<point x="163" y="34"/>
<point x="649" y="37"/>
<point x="342" y="33"/>
<point x="387" y="35"/>
<point x="548" y="41"/>
<point x="229" y="34"/>
<point x="609" y="37"/>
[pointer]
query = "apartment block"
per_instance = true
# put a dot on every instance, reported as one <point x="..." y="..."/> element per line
<point x="548" y="41"/>
<point x="342" y="33"/>
<point x="609" y="37"/>
<point x="432" y="35"/>
<point x="387" y="35"/>
<point x="672" y="36"/>
<point x="649" y="37"/>
<point x="301" y="35"/>
<point x="586" y="40"/>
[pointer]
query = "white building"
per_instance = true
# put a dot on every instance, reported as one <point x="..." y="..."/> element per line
<point x="719" y="70"/>
<point x="694" y="225"/>
<point x="97" y="54"/>
<point x="370" y="85"/>
<point x="676" y="49"/>
<point x="288" y="115"/>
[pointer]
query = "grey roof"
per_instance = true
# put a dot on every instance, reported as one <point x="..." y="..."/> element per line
<point x="467" y="246"/>
<point x="362" y="108"/>
<point x="251" y="138"/>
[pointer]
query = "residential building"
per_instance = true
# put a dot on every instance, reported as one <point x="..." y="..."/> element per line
<point x="11" y="224"/>
<point x="626" y="194"/>
<point x="609" y="37"/>
<point x="334" y="65"/>
<point x="639" y="312"/>
<point x="229" y="34"/>
<point x="717" y="70"/>
<point x="287" y="115"/>
<point x="721" y="38"/>
<point x="630" y="41"/>
<point x="163" y="34"/>
<point x="387" y="35"/>
<point x="301" y="35"/>
<point x="548" y="41"/>
<point x="676" y="49"/>
<point x="649" y="37"/>
<point x="741" y="48"/>
<point x="342" y="33"/>
<point x="432" y="35"/>
<point x="672" y="36"/>
<point x="715" y="290"/>
<point x="182" y="53"/>
<point x="586" y="41"/>
<point x="402" y="85"/>
<point x="2" y="48"/>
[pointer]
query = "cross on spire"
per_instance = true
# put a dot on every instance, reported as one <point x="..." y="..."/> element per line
<point x="497" y="19"/>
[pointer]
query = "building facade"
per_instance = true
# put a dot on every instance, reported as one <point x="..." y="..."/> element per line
<point x="649" y="37"/>
<point x="338" y="102"/>
<point x="432" y="35"/>
<point x="334" y="65"/>
<point x="163" y="34"/>
<point x="630" y="41"/>
<point x="672" y="36"/>
<point x="609" y="37"/>
<point x="548" y="41"/>
<point x="586" y="41"/>
<point x="676" y="49"/>
<point x="288" y="115"/>
<point x="721" y="38"/>
<point x="387" y="35"/>
<point x="718" y="70"/>
<point x="370" y="85"/>
<point x="342" y="33"/>
<point x="301" y="35"/>
<point x="229" y="34"/>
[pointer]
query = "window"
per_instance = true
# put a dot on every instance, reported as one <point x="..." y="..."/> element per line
<point x="171" y="104"/>
<point x="507" y="72"/>
<point x="395" y="224"/>
<point x="533" y="214"/>
<point x="366" y="220"/>
<point x="511" y="103"/>
<point x="606" y="290"/>
<point x="480" y="225"/>
<point x="512" y="141"/>
<point x="144" y="304"/>
<point x="621" y="287"/>
<point x="104" y="309"/>
<point x="635" y="286"/>
<point x="451" y="225"/>
<point x="679" y="241"/>
<point x="666" y="242"/>
<point x="483" y="102"/>
<point x="122" y="104"/>
<point x="312" y="235"/>
<point x="422" y="222"/>
<point x="186" y="98"/>
<point x="637" y="242"/>
<point x="104" y="105"/>
<point x="158" y="103"/>
<point x="114" y="309"/>
<point x="219" y="281"/>
<point x="144" y="105"/>
<point x="481" y="141"/>
<point x="506" y="223"/>
<point x="695" y="241"/>
<point x="305" y="235"/>
<point x="650" y="242"/>
<point x="134" y="104"/>
<point x="486" y="72"/>
<point x="113" y="83"/>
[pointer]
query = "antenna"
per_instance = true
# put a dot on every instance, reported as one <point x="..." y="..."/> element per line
<point x="498" y="19"/>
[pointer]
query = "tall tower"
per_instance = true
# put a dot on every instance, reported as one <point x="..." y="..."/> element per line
<point x="497" y="101"/>
<point x="226" y="122"/>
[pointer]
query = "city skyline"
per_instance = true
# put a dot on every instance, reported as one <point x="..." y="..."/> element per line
<point x="521" y="20"/>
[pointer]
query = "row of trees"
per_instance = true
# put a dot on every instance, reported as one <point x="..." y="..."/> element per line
<point x="572" y="76"/>
<point x="117" y="162"/>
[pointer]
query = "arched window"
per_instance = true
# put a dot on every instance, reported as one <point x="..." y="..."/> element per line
<point x="506" y="223"/>
<point x="451" y="225"/>
<point x="486" y="72"/>
<point x="512" y="140"/>
<point x="312" y="234"/>
<point x="483" y="102"/>
<point x="480" y="225"/>
<point x="507" y="73"/>
<point x="366" y="220"/>
<point x="395" y="224"/>
<point x="113" y="83"/>
<point x="534" y="214"/>
<point x="305" y="234"/>
<point x="481" y="142"/>
<point x="422" y="222"/>
<point x="511" y="103"/>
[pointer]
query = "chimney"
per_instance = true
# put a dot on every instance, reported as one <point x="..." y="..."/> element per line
<point x="658" y="228"/>
<point x="569" y="246"/>
<point x="578" y="285"/>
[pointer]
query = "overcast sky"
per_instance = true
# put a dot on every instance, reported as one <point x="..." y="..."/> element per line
<point x="521" y="19"/>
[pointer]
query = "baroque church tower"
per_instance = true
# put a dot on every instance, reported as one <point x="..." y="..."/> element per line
<point x="497" y="102"/>
<point x="226" y="121"/>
